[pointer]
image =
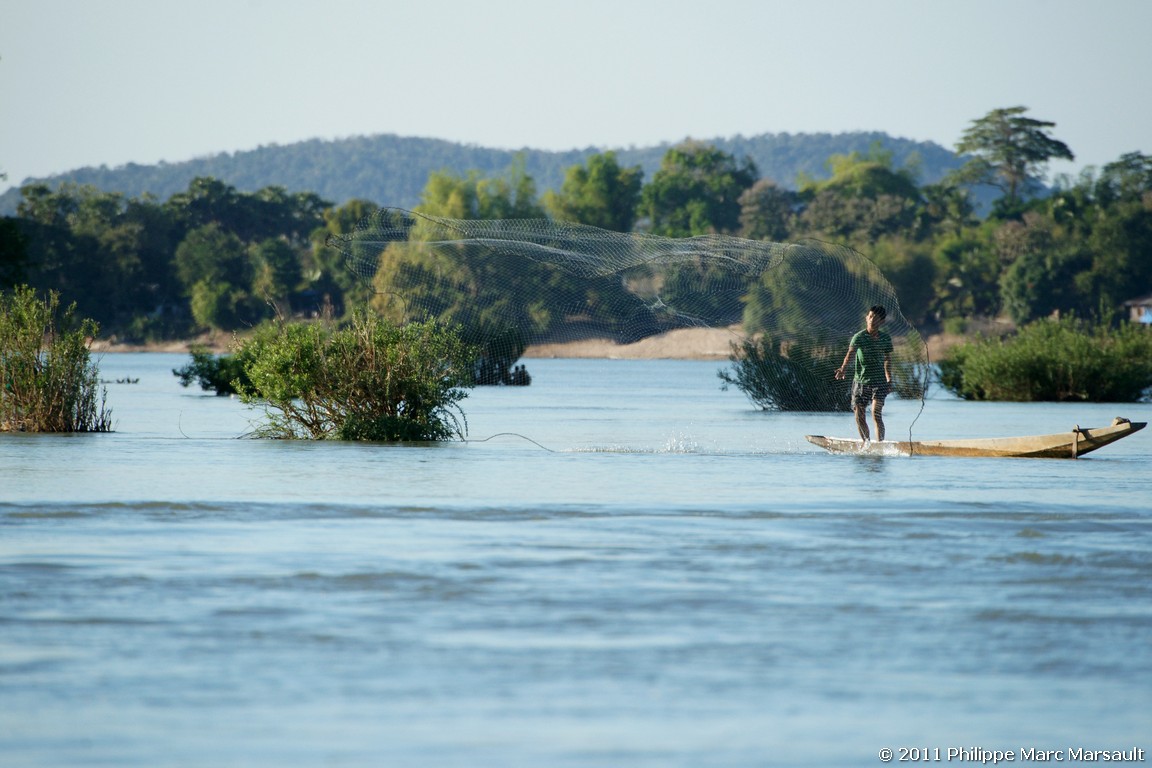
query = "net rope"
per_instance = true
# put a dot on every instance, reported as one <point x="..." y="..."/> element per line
<point x="515" y="283"/>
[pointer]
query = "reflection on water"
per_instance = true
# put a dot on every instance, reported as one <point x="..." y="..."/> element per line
<point x="873" y="464"/>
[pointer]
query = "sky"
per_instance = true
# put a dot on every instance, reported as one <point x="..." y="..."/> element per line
<point x="110" y="82"/>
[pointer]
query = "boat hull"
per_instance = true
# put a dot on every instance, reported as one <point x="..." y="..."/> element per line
<point x="1062" y="445"/>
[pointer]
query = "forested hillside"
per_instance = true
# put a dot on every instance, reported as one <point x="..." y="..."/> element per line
<point x="213" y="256"/>
<point x="392" y="170"/>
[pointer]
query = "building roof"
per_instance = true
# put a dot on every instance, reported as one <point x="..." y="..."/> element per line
<point x="1144" y="301"/>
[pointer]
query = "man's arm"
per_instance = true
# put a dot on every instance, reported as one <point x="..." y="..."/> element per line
<point x="848" y="356"/>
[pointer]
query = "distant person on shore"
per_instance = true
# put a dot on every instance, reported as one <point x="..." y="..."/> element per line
<point x="872" y="378"/>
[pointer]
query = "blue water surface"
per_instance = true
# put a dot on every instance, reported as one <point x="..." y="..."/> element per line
<point x="623" y="565"/>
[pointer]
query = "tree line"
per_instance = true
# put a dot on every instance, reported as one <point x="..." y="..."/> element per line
<point x="393" y="169"/>
<point x="214" y="258"/>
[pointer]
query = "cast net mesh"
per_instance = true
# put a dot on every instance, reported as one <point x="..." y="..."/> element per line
<point x="788" y="310"/>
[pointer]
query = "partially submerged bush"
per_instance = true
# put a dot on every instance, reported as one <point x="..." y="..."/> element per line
<point x="799" y="374"/>
<point x="1054" y="360"/>
<point x="48" y="382"/>
<point x="788" y="376"/>
<point x="222" y="374"/>
<point x="370" y="381"/>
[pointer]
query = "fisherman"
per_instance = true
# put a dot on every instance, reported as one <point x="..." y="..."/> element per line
<point x="872" y="378"/>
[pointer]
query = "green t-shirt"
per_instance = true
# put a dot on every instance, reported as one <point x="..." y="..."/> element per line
<point x="870" y="352"/>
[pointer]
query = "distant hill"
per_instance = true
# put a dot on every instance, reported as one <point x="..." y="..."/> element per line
<point x="392" y="170"/>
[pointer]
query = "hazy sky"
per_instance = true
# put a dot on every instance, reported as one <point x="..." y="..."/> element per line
<point x="107" y="82"/>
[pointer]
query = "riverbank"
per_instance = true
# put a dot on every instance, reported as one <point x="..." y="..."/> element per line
<point x="680" y="344"/>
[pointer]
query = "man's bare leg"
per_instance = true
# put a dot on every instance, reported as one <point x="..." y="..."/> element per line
<point x="861" y="422"/>
<point x="878" y="417"/>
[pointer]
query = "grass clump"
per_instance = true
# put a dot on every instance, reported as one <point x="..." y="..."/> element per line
<point x="1055" y="361"/>
<point x="48" y="382"/>
<point x="372" y="380"/>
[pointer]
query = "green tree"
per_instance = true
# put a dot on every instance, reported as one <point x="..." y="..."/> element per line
<point x="599" y="193"/>
<point x="270" y="212"/>
<point x="870" y="175"/>
<point x="211" y="253"/>
<point x="276" y="267"/>
<point x="157" y="308"/>
<point x="41" y="204"/>
<point x="767" y="212"/>
<point x="1127" y="179"/>
<point x="63" y="249"/>
<point x="967" y="277"/>
<point x="110" y="255"/>
<point x="334" y="285"/>
<point x="864" y="199"/>
<point x="13" y="253"/>
<point x="214" y="268"/>
<point x="1045" y="264"/>
<point x="947" y="209"/>
<point x="1120" y="245"/>
<point x="281" y="214"/>
<point x="511" y="196"/>
<point x="1010" y="152"/>
<point x="696" y="191"/>
<point x="210" y="201"/>
<point x="909" y="267"/>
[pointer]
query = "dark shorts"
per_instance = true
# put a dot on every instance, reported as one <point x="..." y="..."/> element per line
<point x="863" y="394"/>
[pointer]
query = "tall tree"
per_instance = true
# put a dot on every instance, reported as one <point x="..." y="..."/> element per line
<point x="334" y="285"/>
<point x="1009" y="151"/>
<point x="865" y="198"/>
<point x="599" y="193"/>
<point x="211" y="201"/>
<point x="276" y="272"/>
<point x="767" y="211"/>
<point x="13" y="253"/>
<point x="1129" y="178"/>
<point x="696" y="191"/>
<point x="512" y="196"/>
<point x="213" y="265"/>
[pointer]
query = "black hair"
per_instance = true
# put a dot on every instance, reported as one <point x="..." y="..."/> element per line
<point x="879" y="312"/>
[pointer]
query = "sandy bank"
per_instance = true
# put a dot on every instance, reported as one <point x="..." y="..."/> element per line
<point x="681" y="344"/>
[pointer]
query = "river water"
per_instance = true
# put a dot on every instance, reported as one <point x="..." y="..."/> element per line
<point x="622" y="566"/>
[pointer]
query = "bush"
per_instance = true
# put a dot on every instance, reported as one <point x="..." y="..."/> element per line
<point x="788" y="376"/>
<point x="224" y="374"/>
<point x="371" y="381"/>
<point x="799" y="375"/>
<point x="47" y="380"/>
<point x="1054" y="360"/>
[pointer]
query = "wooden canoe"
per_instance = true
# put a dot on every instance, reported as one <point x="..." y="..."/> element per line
<point x="1063" y="445"/>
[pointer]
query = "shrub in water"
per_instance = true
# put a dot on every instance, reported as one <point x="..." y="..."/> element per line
<point x="799" y="374"/>
<point x="48" y="382"/>
<point x="370" y="381"/>
<point x="222" y="374"/>
<point x="1054" y="360"/>
<point x="788" y="376"/>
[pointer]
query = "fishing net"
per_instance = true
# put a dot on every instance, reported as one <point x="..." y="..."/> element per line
<point x="787" y="310"/>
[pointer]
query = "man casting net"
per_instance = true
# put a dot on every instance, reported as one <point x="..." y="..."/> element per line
<point x="790" y="308"/>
